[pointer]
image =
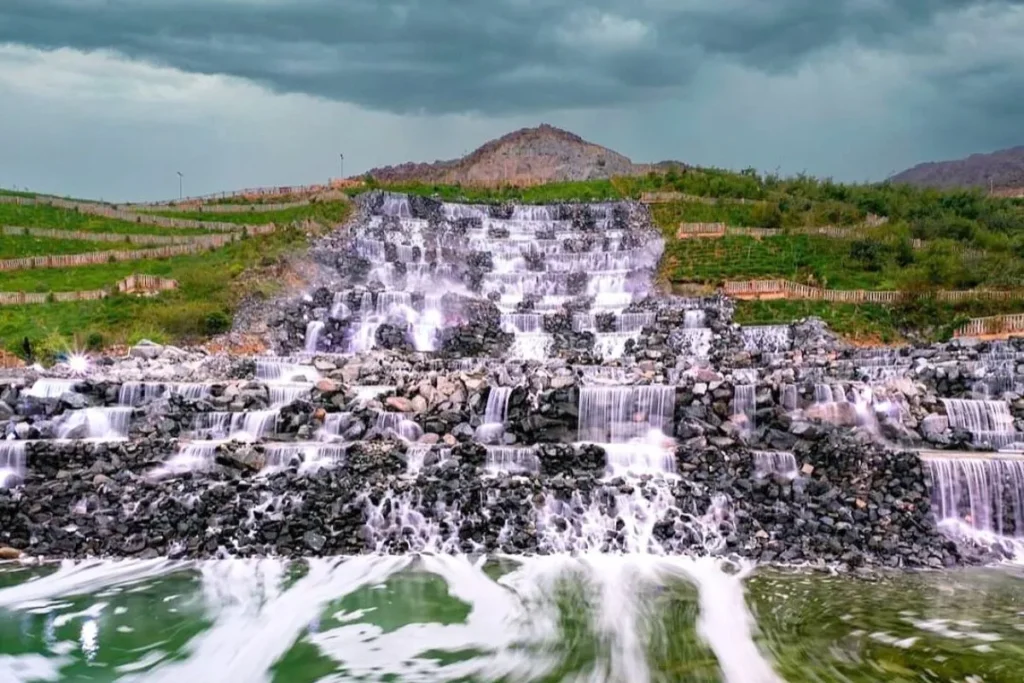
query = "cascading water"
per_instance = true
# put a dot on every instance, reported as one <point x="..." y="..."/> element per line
<point x="51" y="388"/>
<point x="495" y="414"/>
<point x="313" y="330"/>
<point x="780" y="463"/>
<point x="399" y="425"/>
<point x="12" y="462"/>
<point x="769" y="339"/>
<point x="108" y="424"/>
<point x="989" y="422"/>
<point x="629" y="423"/>
<point x="985" y="495"/>
<point x="744" y="405"/>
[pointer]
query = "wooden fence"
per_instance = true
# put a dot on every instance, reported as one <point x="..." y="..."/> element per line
<point x="224" y="208"/>
<point x="133" y="284"/>
<point x="218" y="240"/>
<point x="93" y="258"/>
<point x="992" y="325"/>
<point x="718" y="230"/>
<point x="118" y="214"/>
<point x="251" y="193"/>
<point x="667" y="197"/>
<point x="784" y="289"/>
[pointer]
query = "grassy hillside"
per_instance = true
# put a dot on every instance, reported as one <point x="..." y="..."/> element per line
<point x="211" y="283"/>
<point x="930" y="240"/>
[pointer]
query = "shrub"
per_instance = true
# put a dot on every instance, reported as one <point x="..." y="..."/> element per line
<point x="217" y="323"/>
<point x="95" y="341"/>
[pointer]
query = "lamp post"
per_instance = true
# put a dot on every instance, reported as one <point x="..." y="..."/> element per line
<point x="179" y="186"/>
<point x="342" y="166"/>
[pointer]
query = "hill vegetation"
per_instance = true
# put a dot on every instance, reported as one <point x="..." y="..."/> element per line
<point x="211" y="283"/>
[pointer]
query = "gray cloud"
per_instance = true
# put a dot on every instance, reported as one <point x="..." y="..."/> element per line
<point x="494" y="57"/>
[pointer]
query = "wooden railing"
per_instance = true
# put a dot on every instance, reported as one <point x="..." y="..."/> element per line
<point x="667" y="197"/>
<point x="992" y="325"/>
<point x="83" y="236"/>
<point x="133" y="284"/>
<point x="717" y="230"/>
<point x="107" y="211"/>
<point x="784" y="289"/>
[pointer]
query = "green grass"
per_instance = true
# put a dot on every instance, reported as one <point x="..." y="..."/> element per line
<point x="583" y="191"/>
<point x="924" y="317"/>
<point x="22" y="246"/>
<point x="43" y="216"/>
<point x="210" y="285"/>
<point x="812" y="259"/>
<point x="325" y="213"/>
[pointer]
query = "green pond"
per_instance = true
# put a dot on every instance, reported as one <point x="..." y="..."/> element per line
<point x="438" y="618"/>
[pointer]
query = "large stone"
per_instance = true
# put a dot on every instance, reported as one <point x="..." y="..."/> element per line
<point x="399" y="403"/>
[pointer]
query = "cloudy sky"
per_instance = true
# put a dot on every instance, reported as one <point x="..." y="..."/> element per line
<point x="109" y="98"/>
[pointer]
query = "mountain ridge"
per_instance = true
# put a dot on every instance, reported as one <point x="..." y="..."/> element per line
<point x="527" y="156"/>
<point x="1000" y="172"/>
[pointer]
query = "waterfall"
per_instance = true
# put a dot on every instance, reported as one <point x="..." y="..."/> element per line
<point x="782" y="463"/>
<point x="693" y="319"/>
<point x="283" y="393"/>
<point x="495" y="414"/>
<point x="306" y="456"/>
<point x="313" y="330"/>
<point x="511" y="459"/>
<point x="109" y="424"/>
<point x="280" y="371"/>
<point x="12" y="462"/>
<point x="989" y="422"/>
<point x="51" y="388"/>
<point x="771" y="339"/>
<point x="522" y="323"/>
<point x="744" y="402"/>
<point x="984" y="494"/>
<point x="623" y="414"/>
<point x="245" y="426"/>
<point x="822" y="393"/>
<point x="399" y="425"/>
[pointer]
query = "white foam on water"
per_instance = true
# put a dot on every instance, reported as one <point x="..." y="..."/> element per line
<point x="725" y="623"/>
<point x="256" y="619"/>
<point x="83" y="577"/>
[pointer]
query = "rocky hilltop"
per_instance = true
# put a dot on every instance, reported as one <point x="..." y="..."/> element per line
<point x="1002" y="171"/>
<point x="524" y="157"/>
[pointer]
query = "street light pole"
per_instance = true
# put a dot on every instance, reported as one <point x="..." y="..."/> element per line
<point x="342" y="166"/>
<point x="179" y="186"/>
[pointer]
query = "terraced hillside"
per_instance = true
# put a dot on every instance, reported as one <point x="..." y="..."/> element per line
<point x="819" y="233"/>
<point x="53" y="246"/>
<point x="718" y="226"/>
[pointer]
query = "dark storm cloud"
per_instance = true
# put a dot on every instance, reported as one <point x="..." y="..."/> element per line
<point x="491" y="56"/>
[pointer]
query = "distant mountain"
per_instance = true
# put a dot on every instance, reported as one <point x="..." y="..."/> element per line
<point x="1002" y="171"/>
<point x="524" y="157"/>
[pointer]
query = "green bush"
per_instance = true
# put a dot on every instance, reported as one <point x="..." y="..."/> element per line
<point x="95" y="341"/>
<point x="217" y="322"/>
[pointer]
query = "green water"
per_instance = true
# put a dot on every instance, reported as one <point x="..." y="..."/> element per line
<point x="551" y="619"/>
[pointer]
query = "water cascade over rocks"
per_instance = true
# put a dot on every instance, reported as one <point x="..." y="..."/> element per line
<point x="506" y="379"/>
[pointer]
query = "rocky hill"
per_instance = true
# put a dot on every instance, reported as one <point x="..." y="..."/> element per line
<point x="1001" y="171"/>
<point x="524" y="157"/>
